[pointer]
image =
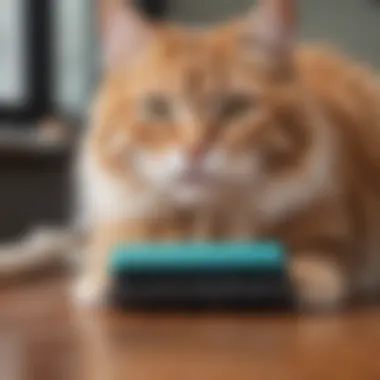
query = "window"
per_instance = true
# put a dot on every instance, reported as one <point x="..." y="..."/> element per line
<point x="24" y="60"/>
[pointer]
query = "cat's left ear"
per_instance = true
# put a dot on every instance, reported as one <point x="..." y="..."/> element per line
<point x="273" y="27"/>
<point x="123" y="31"/>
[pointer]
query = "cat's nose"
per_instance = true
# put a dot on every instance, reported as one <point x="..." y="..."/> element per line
<point x="196" y="153"/>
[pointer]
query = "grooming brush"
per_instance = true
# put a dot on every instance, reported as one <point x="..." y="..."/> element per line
<point x="196" y="275"/>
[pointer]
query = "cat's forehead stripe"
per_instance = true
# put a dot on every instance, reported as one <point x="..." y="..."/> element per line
<point x="201" y="80"/>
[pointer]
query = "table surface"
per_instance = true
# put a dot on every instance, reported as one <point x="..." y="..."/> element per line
<point x="44" y="337"/>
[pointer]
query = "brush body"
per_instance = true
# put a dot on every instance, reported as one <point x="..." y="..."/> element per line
<point x="201" y="275"/>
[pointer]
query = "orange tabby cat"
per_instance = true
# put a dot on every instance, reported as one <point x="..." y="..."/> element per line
<point x="235" y="132"/>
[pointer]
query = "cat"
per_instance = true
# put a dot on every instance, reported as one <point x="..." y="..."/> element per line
<point x="233" y="132"/>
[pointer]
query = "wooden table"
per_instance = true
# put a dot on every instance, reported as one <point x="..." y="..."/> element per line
<point x="43" y="337"/>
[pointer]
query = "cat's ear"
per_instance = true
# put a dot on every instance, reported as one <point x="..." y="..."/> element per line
<point x="273" y="27"/>
<point x="122" y="30"/>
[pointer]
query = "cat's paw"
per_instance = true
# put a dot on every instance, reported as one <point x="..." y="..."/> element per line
<point x="90" y="293"/>
<point x="319" y="285"/>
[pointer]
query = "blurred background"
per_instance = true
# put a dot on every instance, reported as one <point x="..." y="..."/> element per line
<point x="49" y="66"/>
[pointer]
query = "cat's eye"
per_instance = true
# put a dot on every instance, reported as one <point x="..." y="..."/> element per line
<point x="236" y="105"/>
<point x="156" y="107"/>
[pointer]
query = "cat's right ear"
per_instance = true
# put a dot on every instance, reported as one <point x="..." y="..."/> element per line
<point x="272" y="30"/>
<point x="123" y="32"/>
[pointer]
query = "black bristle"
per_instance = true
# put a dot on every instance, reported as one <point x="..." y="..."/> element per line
<point x="206" y="291"/>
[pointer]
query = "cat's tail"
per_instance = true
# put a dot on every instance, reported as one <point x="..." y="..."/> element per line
<point x="40" y="250"/>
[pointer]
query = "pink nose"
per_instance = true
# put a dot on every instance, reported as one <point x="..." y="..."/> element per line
<point x="196" y="153"/>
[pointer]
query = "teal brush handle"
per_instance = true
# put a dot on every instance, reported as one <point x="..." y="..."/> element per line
<point x="159" y="257"/>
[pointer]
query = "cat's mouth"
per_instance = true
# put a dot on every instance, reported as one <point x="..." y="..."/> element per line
<point x="196" y="178"/>
<point x="194" y="187"/>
